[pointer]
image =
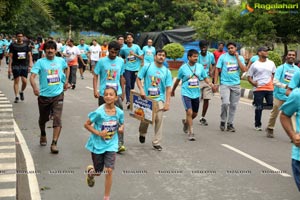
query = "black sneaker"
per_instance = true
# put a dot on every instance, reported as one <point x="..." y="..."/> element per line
<point x="16" y="100"/>
<point x="157" y="147"/>
<point x="230" y="128"/>
<point x="73" y="86"/>
<point x="222" y="126"/>
<point x="128" y="105"/>
<point x="22" y="96"/>
<point x="142" y="139"/>
<point x="203" y="122"/>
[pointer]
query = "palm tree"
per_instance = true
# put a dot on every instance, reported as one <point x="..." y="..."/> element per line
<point x="8" y="7"/>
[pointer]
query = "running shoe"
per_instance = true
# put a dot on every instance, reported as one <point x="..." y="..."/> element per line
<point x="185" y="126"/>
<point x="203" y="122"/>
<point x="157" y="147"/>
<point x="22" y="96"/>
<point x="90" y="180"/>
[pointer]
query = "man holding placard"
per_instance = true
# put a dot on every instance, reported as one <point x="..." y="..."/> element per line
<point x="157" y="85"/>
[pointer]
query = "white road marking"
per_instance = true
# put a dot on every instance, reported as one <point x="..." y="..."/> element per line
<point x="7" y="193"/>
<point x="7" y="155"/>
<point x="273" y="169"/>
<point x="33" y="183"/>
<point x="5" y="178"/>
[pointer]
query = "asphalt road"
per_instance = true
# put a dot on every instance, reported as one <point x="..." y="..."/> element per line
<point x="218" y="165"/>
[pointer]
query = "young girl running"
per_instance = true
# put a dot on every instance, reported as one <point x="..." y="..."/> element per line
<point x="104" y="123"/>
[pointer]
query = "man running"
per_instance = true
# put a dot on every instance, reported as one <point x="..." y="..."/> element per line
<point x="20" y="63"/>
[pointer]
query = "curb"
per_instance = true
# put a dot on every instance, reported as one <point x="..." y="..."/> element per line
<point x="8" y="160"/>
<point x="245" y="93"/>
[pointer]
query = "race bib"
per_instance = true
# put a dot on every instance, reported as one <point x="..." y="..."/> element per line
<point x="53" y="79"/>
<point x="193" y="83"/>
<point x="153" y="92"/>
<point x="232" y="67"/>
<point x="111" y="127"/>
<point x="149" y="53"/>
<point x="131" y="58"/>
<point x="112" y="85"/>
<point x="21" y="55"/>
<point x="288" y="76"/>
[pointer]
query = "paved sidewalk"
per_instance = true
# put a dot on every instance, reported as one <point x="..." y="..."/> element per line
<point x="8" y="177"/>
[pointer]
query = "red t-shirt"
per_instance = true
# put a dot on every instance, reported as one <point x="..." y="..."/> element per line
<point x="217" y="54"/>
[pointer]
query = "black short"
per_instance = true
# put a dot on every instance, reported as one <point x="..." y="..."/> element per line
<point x="35" y="57"/>
<point x="1" y="56"/>
<point x="106" y="159"/>
<point x="81" y="65"/>
<point x="20" y="71"/>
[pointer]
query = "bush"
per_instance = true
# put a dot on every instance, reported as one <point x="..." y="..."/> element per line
<point x="174" y="50"/>
<point x="275" y="57"/>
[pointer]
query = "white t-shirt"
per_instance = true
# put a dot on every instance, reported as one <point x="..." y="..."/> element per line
<point x="72" y="53"/>
<point x="59" y="45"/>
<point x="262" y="71"/>
<point x="95" y="52"/>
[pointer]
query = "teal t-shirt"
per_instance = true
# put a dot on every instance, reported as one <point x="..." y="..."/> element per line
<point x="206" y="61"/>
<point x="230" y="74"/>
<point x="291" y="106"/>
<point x="284" y="73"/>
<point x="254" y="58"/>
<point x="295" y="82"/>
<point x="2" y="44"/>
<point x="35" y="50"/>
<point x="51" y="75"/>
<point x="103" y="121"/>
<point x="110" y="72"/>
<point x="156" y="79"/>
<point x="149" y="53"/>
<point x="190" y="77"/>
<point x="7" y="44"/>
<point x="84" y="49"/>
<point x="132" y="63"/>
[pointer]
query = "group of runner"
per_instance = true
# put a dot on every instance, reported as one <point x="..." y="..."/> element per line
<point x="126" y="64"/>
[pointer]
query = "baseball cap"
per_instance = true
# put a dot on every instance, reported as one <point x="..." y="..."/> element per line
<point x="263" y="48"/>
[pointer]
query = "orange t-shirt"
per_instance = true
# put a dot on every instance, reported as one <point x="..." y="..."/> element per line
<point x="104" y="50"/>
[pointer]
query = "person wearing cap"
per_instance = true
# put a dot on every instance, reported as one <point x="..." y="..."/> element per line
<point x="228" y="68"/>
<point x="260" y="76"/>
<point x="283" y="76"/>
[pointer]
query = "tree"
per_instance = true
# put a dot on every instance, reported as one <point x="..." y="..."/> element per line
<point x="36" y="12"/>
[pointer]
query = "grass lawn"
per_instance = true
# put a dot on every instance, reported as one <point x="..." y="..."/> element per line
<point x="244" y="83"/>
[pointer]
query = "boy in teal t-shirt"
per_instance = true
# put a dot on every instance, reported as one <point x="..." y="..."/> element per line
<point x="133" y="58"/>
<point x="190" y="74"/>
<point x="228" y="68"/>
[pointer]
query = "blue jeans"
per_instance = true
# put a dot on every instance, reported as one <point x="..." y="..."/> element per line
<point x="259" y="97"/>
<point x="130" y="77"/>
<point x="296" y="172"/>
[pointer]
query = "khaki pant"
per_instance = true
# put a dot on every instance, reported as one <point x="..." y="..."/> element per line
<point x="158" y="122"/>
<point x="274" y="113"/>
